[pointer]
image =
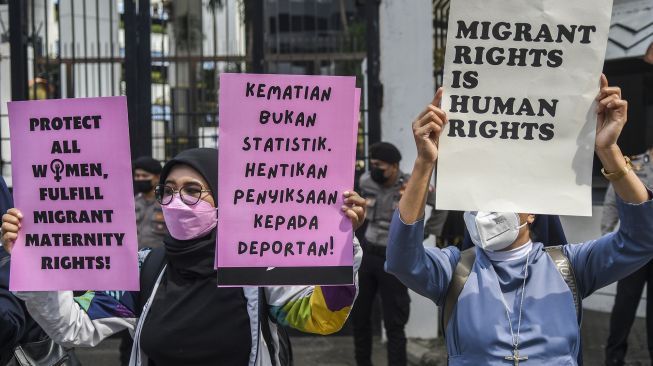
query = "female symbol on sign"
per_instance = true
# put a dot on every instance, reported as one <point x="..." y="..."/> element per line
<point x="57" y="167"/>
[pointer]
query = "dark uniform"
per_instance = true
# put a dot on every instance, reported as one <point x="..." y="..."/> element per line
<point x="381" y="204"/>
<point x="150" y="223"/>
<point x="629" y="290"/>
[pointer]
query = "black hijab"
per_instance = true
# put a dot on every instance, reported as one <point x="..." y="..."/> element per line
<point x="191" y="320"/>
<point x="194" y="257"/>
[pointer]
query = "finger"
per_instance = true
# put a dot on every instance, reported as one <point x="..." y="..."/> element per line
<point x="15" y="212"/>
<point x="440" y="113"/>
<point x="356" y="200"/>
<point x="617" y="104"/>
<point x="430" y="117"/>
<point x="437" y="99"/>
<point x="360" y="212"/>
<point x="423" y="113"/>
<point x="604" y="81"/>
<point x="9" y="237"/>
<point x="9" y="228"/>
<point x="10" y="219"/>
<point x="429" y="129"/>
<point x="605" y="101"/>
<point x="352" y="216"/>
<point x="611" y="90"/>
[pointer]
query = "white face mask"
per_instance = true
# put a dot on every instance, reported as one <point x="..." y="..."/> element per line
<point x="492" y="230"/>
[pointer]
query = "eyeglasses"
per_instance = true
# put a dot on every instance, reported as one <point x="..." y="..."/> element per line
<point x="190" y="194"/>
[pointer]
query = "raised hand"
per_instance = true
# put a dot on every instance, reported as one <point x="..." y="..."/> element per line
<point x="427" y="128"/>
<point x="611" y="115"/>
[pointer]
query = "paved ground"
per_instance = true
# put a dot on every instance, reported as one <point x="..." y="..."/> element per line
<point x="323" y="351"/>
<point x="338" y="350"/>
<point x="595" y="332"/>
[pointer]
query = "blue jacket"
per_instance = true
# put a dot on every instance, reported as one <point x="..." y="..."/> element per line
<point x="478" y="332"/>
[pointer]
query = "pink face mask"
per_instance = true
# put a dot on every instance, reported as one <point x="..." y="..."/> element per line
<point x="189" y="222"/>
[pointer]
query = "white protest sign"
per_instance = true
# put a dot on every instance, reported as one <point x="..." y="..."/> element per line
<point x="520" y="82"/>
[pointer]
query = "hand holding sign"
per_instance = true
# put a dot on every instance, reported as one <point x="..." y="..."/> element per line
<point x="427" y="129"/>
<point x="10" y="226"/>
<point x="355" y="208"/>
<point x="612" y="115"/>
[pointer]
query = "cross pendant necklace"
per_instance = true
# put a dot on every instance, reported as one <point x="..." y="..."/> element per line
<point x="515" y="357"/>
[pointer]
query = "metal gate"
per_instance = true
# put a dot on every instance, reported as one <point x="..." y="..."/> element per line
<point x="166" y="55"/>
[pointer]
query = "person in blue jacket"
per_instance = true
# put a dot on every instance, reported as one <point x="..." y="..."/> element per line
<point x="515" y="307"/>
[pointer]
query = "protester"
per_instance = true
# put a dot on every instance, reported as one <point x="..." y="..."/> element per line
<point x="629" y="289"/>
<point x="540" y="325"/>
<point x="381" y="187"/>
<point x="18" y="331"/>
<point x="180" y="317"/>
<point x="150" y="223"/>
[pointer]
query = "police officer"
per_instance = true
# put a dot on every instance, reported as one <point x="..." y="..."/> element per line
<point x="149" y="216"/>
<point x="381" y="187"/>
<point x="629" y="290"/>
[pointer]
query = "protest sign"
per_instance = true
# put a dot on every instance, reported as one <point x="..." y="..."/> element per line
<point x="72" y="181"/>
<point x="520" y="81"/>
<point x="286" y="157"/>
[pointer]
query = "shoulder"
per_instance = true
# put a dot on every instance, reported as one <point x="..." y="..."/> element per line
<point x="139" y="200"/>
<point x="367" y="184"/>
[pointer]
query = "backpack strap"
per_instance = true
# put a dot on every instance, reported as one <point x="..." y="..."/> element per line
<point x="263" y="319"/>
<point x="458" y="280"/>
<point x="565" y="269"/>
<point x="150" y="270"/>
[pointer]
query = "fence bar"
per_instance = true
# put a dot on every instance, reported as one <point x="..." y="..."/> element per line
<point x="18" y="48"/>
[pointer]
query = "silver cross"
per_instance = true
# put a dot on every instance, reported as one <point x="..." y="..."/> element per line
<point x="515" y="357"/>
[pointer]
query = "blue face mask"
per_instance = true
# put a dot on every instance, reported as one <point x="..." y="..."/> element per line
<point x="492" y="231"/>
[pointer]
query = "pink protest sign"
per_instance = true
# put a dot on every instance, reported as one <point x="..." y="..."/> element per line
<point x="71" y="167"/>
<point x="286" y="157"/>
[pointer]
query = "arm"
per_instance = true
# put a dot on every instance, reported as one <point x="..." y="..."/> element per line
<point x="426" y="132"/>
<point x="610" y="215"/>
<point x="84" y="321"/>
<point x="614" y="256"/>
<point x="427" y="271"/>
<point x="321" y="309"/>
<point x="315" y="309"/>
<point x="611" y="119"/>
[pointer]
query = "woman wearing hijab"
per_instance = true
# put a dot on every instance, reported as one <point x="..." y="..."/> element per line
<point x="515" y="307"/>
<point x="187" y="320"/>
